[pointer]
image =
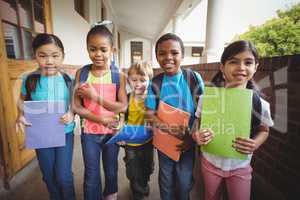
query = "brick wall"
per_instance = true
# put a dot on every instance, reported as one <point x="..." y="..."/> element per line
<point x="276" y="164"/>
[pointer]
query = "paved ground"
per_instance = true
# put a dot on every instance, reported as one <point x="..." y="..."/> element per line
<point x="33" y="188"/>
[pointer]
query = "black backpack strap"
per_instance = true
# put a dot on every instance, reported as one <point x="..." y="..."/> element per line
<point x="193" y="84"/>
<point x="84" y="72"/>
<point x="256" y="113"/>
<point x="115" y="76"/>
<point x="68" y="80"/>
<point x="156" y="86"/>
<point x="30" y="84"/>
<point x="126" y="113"/>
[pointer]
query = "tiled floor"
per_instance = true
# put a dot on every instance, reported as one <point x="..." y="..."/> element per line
<point x="33" y="187"/>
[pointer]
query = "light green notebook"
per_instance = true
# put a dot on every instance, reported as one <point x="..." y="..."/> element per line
<point x="227" y="112"/>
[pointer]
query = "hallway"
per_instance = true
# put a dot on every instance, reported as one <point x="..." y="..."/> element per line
<point x="33" y="187"/>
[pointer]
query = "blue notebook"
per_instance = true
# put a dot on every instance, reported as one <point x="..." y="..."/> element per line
<point x="46" y="129"/>
<point x="131" y="134"/>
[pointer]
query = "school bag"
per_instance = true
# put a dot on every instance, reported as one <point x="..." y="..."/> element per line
<point x="115" y="75"/>
<point x="191" y="79"/>
<point x="32" y="78"/>
<point x="256" y="113"/>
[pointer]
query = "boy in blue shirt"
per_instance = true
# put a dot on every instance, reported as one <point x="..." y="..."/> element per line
<point x="176" y="91"/>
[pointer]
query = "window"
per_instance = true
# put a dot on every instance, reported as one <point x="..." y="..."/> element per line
<point x="79" y="7"/>
<point x="136" y="51"/>
<point x="197" y="51"/>
<point x="21" y="21"/>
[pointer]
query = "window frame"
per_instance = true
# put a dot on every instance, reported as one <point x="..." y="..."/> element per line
<point x="33" y="31"/>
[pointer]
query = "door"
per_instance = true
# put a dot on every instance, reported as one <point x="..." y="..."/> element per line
<point x="20" y="22"/>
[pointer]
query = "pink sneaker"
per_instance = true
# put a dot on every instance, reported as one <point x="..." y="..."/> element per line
<point x="111" y="196"/>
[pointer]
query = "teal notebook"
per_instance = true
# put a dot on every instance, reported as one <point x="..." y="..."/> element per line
<point x="227" y="112"/>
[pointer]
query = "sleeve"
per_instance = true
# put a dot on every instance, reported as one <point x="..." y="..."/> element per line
<point x="200" y="81"/>
<point x="23" y="87"/>
<point x="199" y="107"/>
<point x="150" y="101"/>
<point x="266" y="119"/>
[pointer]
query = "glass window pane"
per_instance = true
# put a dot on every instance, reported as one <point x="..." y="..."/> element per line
<point x="27" y="39"/>
<point x="12" y="41"/>
<point x="25" y="11"/>
<point x="8" y="11"/>
<point x="39" y="18"/>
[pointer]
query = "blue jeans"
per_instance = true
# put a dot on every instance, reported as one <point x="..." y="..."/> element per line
<point x="177" y="175"/>
<point x="92" y="146"/>
<point x="56" y="166"/>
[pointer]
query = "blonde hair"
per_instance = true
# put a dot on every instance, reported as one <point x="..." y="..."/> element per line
<point x="141" y="68"/>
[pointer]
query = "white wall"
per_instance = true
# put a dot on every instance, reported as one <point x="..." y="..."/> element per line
<point x="188" y="58"/>
<point x="72" y="29"/>
<point x="125" y="39"/>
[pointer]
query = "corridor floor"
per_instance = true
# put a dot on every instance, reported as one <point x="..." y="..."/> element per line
<point x="33" y="187"/>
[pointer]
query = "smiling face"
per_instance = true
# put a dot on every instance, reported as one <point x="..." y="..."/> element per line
<point x="138" y="83"/>
<point x="239" y="69"/>
<point x="169" y="56"/>
<point x="49" y="58"/>
<point x="100" y="51"/>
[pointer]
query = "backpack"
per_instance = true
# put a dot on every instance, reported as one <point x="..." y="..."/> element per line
<point x="256" y="114"/>
<point x="115" y="75"/>
<point x="191" y="79"/>
<point x="36" y="76"/>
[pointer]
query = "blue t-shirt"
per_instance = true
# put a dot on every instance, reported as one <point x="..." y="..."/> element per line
<point x="51" y="88"/>
<point x="175" y="91"/>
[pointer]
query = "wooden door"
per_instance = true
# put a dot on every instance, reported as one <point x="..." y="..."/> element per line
<point x="14" y="154"/>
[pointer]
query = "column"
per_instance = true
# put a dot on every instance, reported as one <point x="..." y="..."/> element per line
<point x="214" y="42"/>
<point x="176" y="21"/>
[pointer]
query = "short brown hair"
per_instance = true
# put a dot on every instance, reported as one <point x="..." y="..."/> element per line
<point x="141" y="68"/>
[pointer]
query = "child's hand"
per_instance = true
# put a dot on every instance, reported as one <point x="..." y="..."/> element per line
<point x="187" y="142"/>
<point x="21" y="122"/>
<point x="110" y="122"/>
<point x="121" y="143"/>
<point x="177" y="131"/>
<point x="67" y="118"/>
<point x="202" y="137"/>
<point x="244" y="145"/>
<point x="87" y="91"/>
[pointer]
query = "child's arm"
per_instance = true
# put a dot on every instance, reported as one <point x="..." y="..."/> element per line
<point x="85" y="113"/>
<point x="247" y="145"/>
<point x="67" y="118"/>
<point x="203" y="136"/>
<point x="121" y="104"/>
<point x="21" y="121"/>
<point x="117" y="106"/>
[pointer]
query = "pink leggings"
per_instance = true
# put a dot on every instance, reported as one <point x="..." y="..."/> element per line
<point x="238" y="182"/>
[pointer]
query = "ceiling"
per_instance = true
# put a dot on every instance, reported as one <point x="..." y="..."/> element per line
<point x="147" y="18"/>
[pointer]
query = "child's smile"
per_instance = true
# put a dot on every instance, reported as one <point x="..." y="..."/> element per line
<point x="239" y="69"/>
<point x="169" y="56"/>
<point x="100" y="51"/>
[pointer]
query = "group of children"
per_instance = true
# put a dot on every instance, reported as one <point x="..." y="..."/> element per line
<point x="238" y="65"/>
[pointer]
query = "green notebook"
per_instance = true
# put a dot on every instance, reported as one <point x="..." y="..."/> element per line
<point x="227" y="112"/>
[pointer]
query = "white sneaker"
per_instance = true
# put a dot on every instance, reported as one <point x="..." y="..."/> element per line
<point x="111" y="196"/>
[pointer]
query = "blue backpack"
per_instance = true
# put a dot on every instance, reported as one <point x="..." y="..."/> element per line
<point x="33" y="79"/>
<point x="115" y="74"/>
<point x="191" y="79"/>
